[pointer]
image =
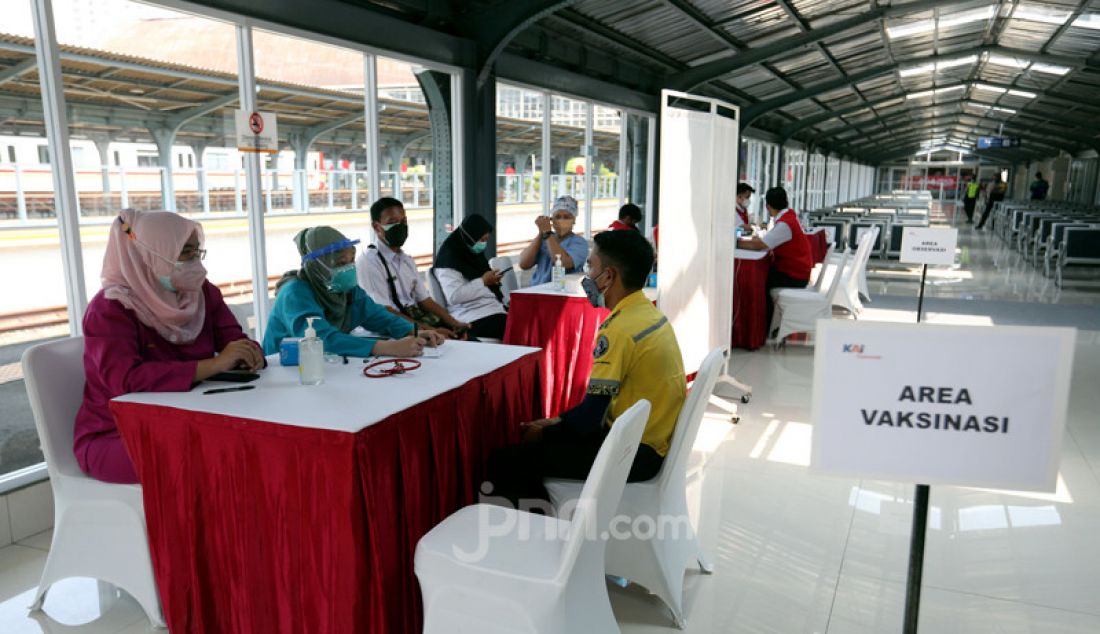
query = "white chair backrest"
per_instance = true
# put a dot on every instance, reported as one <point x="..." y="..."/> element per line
<point x="509" y="282"/>
<point x="674" y="469"/>
<point x="838" y="277"/>
<point x="863" y="253"/>
<point x="435" y="290"/>
<point x="53" y="373"/>
<point x="603" y="489"/>
<point x="242" y="312"/>
<point x="825" y="268"/>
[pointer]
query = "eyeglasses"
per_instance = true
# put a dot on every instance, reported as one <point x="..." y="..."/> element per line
<point x="190" y="254"/>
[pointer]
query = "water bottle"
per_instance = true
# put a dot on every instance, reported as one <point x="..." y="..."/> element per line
<point x="557" y="274"/>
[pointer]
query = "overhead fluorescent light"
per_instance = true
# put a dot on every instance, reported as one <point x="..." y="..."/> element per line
<point x="1004" y="110"/>
<point x="927" y="26"/>
<point x="966" y="17"/>
<point x="934" y="92"/>
<point x="1040" y="14"/>
<point x="1088" y="21"/>
<point x="1052" y="69"/>
<point x="988" y="88"/>
<point x="951" y="63"/>
<point x="912" y="28"/>
<point x="940" y="91"/>
<point x="979" y="106"/>
<point x="1001" y="60"/>
<point x="917" y="70"/>
<point x="1022" y="93"/>
<point x="920" y="95"/>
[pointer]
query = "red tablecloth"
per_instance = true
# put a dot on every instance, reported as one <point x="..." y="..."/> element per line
<point x="819" y="246"/>
<point x="564" y="326"/>
<point x="262" y="527"/>
<point x="750" y="312"/>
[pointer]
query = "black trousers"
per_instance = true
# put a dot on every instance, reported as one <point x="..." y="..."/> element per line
<point x="985" y="213"/>
<point x="968" y="206"/>
<point x="516" y="472"/>
<point x="491" y="326"/>
<point x="779" y="280"/>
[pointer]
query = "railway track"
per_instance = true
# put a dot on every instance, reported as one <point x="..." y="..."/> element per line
<point x="59" y="315"/>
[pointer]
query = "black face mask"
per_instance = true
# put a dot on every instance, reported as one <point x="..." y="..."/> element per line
<point x="397" y="234"/>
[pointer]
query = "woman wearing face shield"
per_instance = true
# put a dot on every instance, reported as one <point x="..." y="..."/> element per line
<point x="326" y="287"/>
<point x="156" y="326"/>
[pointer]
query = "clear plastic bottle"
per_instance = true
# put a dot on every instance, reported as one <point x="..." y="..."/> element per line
<point x="557" y="274"/>
<point x="311" y="356"/>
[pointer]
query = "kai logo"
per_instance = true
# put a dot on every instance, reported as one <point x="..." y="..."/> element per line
<point x="856" y="348"/>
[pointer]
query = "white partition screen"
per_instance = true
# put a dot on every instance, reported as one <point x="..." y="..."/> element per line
<point x="699" y="138"/>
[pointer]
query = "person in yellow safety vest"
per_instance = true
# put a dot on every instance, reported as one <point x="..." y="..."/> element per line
<point x="971" y="199"/>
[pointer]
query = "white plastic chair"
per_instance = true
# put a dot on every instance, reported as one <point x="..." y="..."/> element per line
<point x="99" y="528"/>
<point x="658" y="563"/>
<point x="488" y="569"/>
<point x="508" y="283"/>
<point x="798" y="309"/>
<point x="863" y="291"/>
<point x="848" y="297"/>
<point x="243" y="312"/>
<point x="435" y="289"/>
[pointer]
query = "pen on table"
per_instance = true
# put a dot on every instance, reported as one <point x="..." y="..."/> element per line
<point x="239" y="388"/>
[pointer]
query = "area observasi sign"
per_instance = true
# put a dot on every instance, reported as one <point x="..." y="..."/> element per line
<point x="934" y="404"/>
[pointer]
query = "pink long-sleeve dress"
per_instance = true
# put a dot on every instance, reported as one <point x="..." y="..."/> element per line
<point x="123" y="355"/>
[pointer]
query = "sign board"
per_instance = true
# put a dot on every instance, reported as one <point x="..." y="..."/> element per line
<point x="920" y="245"/>
<point x="994" y="142"/>
<point x="933" y="404"/>
<point x="256" y="132"/>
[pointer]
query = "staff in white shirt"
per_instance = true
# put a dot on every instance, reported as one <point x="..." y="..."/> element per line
<point x="389" y="275"/>
<point x="470" y="286"/>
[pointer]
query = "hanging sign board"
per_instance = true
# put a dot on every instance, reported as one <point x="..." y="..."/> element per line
<point x="256" y="132"/>
<point x="921" y="245"/>
<point x="995" y="142"/>
<point x="935" y="404"/>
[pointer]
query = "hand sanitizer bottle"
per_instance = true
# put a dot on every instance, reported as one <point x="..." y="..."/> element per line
<point x="557" y="274"/>
<point x="311" y="356"/>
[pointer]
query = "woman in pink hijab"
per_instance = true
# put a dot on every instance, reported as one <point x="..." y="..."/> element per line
<point x="155" y="327"/>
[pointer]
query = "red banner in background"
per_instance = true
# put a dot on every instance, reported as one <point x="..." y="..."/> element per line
<point x="932" y="182"/>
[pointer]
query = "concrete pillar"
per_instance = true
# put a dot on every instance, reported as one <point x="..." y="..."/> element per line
<point x="198" y="148"/>
<point x="164" y="140"/>
<point x="300" y="144"/>
<point x="102" y="146"/>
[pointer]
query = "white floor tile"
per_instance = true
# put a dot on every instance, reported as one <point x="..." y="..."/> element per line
<point x="865" y="605"/>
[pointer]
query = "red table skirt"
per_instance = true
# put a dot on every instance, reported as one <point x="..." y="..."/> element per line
<point x="819" y="246"/>
<point x="262" y="527"/>
<point x="565" y="328"/>
<point x="750" y="312"/>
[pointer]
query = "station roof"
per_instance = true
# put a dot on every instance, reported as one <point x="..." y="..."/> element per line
<point x="871" y="80"/>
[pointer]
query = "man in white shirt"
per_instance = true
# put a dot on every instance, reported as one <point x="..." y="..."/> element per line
<point x="389" y="275"/>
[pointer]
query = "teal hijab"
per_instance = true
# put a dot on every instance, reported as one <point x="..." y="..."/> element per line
<point x="316" y="273"/>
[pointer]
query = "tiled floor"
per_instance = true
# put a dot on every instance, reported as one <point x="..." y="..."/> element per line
<point x="800" y="553"/>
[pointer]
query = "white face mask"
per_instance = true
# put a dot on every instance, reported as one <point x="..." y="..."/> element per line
<point x="186" y="276"/>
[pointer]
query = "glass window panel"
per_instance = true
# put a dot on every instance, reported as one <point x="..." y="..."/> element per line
<point x="567" y="160"/>
<point x="606" y="171"/>
<point x="519" y="165"/>
<point x="319" y="176"/>
<point x="157" y="89"/>
<point x="635" y="171"/>
<point x="32" y="307"/>
<point x="405" y="139"/>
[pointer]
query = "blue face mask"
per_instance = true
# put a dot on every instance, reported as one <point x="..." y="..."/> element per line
<point x="479" y="247"/>
<point x="166" y="282"/>
<point x="343" y="279"/>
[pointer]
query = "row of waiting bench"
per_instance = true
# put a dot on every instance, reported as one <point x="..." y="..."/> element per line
<point x="890" y="213"/>
<point x="1049" y="234"/>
